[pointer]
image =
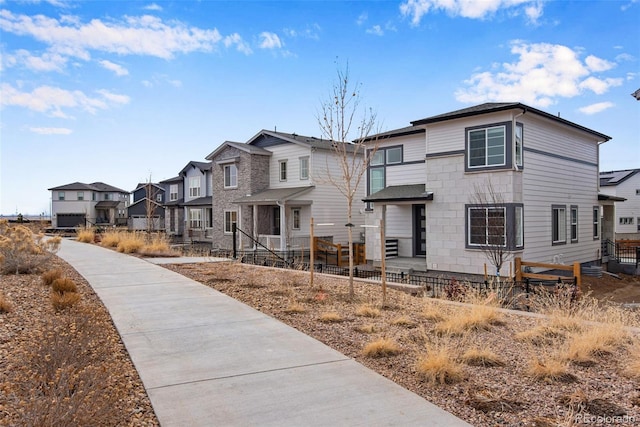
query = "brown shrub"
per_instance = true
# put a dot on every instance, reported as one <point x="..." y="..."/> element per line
<point x="382" y="347"/>
<point x="481" y="357"/>
<point x="367" y="310"/>
<point x="85" y="235"/>
<point x="5" y="304"/>
<point x="64" y="284"/>
<point x="439" y="364"/>
<point x="48" y="277"/>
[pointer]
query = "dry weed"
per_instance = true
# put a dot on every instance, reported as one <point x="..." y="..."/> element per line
<point x="5" y="304"/>
<point x="111" y="239"/>
<point x="295" y="307"/>
<point x="633" y="362"/>
<point x="85" y="235"/>
<point x="403" y="320"/>
<point x="475" y="318"/>
<point x="330" y="317"/>
<point x="48" y="277"/>
<point x="550" y="368"/>
<point x="367" y="329"/>
<point x="64" y="284"/>
<point x="439" y="364"/>
<point x="382" y="347"/>
<point x="540" y="335"/>
<point x="432" y="310"/>
<point x="367" y="310"/>
<point x="22" y="251"/>
<point x="481" y="357"/>
<point x="62" y="301"/>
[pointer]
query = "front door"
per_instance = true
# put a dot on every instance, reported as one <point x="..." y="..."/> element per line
<point x="419" y="230"/>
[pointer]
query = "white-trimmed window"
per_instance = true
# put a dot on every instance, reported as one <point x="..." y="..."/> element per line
<point x="394" y="155"/>
<point x="596" y="222"/>
<point x="304" y="168"/>
<point x="487" y="226"/>
<point x="107" y="196"/>
<point x="173" y="192"/>
<point x="80" y="195"/>
<point x="283" y="170"/>
<point x="486" y="147"/>
<point x="574" y="224"/>
<point x="558" y="224"/>
<point x="230" y="176"/>
<point x="519" y="223"/>
<point x="194" y="186"/>
<point x="159" y="197"/>
<point x="519" y="146"/>
<point x="195" y="218"/>
<point x="230" y="218"/>
<point x="61" y="195"/>
<point x="377" y="159"/>
<point x="295" y="218"/>
<point x="625" y="220"/>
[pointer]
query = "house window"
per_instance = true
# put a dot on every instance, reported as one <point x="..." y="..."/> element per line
<point x="194" y="186"/>
<point x="93" y="196"/>
<point x="195" y="218"/>
<point x="383" y="157"/>
<point x="295" y="218"/>
<point x="518" y="145"/>
<point x="173" y="192"/>
<point x="60" y="195"/>
<point x="486" y="147"/>
<point x="596" y="222"/>
<point x="638" y="222"/>
<point x="574" y="224"/>
<point x="637" y="191"/>
<point x="558" y="224"/>
<point x="80" y="195"/>
<point x="230" y="218"/>
<point x="107" y="196"/>
<point x="283" y="170"/>
<point x="394" y="155"/>
<point x="378" y="158"/>
<point x="487" y="226"/>
<point x="519" y="225"/>
<point x="304" y="167"/>
<point x="230" y="176"/>
<point x="159" y="197"/>
<point x="376" y="180"/>
<point x="626" y="220"/>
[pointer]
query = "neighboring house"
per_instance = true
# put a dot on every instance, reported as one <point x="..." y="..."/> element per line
<point x="624" y="184"/>
<point x="173" y="205"/>
<point x="272" y="185"/>
<point x="147" y="206"/>
<point x="425" y="182"/>
<point x="198" y="200"/>
<point x="96" y="204"/>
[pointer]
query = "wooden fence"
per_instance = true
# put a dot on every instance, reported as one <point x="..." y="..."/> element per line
<point x="573" y="269"/>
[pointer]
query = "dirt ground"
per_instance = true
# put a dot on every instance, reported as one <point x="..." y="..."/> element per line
<point x="625" y="289"/>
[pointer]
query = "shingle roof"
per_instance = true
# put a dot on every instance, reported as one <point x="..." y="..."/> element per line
<point x="107" y="204"/>
<point x="274" y="195"/>
<point x="310" y="141"/>
<point x="407" y="130"/>
<point x="401" y="193"/>
<point x="251" y="149"/>
<point x="96" y="186"/>
<point x="200" y="201"/>
<point x="174" y="179"/>
<point x="492" y="107"/>
<point x="616" y="177"/>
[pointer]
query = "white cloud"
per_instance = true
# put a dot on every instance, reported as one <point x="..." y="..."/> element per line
<point x="473" y="9"/>
<point x="51" y="131"/>
<point x="48" y="61"/>
<point x="623" y="57"/>
<point x="53" y="100"/>
<point x="143" y="35"/>
<point x="153" y="6"/>
<point x="596" y="108"/>
<point x="117" y="69"/>
<point x="236" y="39"/>
<point x="310" y="32"/>
<point x="270" y="41"/>
<point x="362" y="18"/>
<point x="542" y="73"/>
<point x="376" y="30"/>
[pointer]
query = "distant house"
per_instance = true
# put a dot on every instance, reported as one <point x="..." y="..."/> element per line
<point x="271" y="186"/>
<point x="147" y="206"/>
<point x="174" y="206"/>
<point x="426" y="179"/>
<point x="624" y="185"/>
<point x="96" y="204"/>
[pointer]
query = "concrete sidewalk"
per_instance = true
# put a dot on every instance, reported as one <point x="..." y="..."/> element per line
<point x="208" y="360"/>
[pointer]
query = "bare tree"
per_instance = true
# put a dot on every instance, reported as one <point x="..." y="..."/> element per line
<point x="151" y="205"/>
<point x="348" y="126"/>
<point x="488" y="224"/>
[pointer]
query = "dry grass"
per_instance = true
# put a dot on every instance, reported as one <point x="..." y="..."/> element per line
<point x="432" y="311"/>
<point x="439" y="364"/>
<point x="633" y="363"/>
<point x="403" y="320"/>
<point x="294" y="308"/>
<point x="367" y="310"/>
<point x="111" y="239"/>
<point x="22" y="251"/>
<point x="481" y="357"/>
<point x="85" y="235"/>
<point x="367" y="329"/>
<point x="49" y="276"/>
<point x="540" y="335"/>
<point x="550" y="368"/>
<point x="5" y="304"/>
<point x="64" y="284"/>
<point x="382" y="347"/>
<point x="330" y="317"/>
<point x="598" y="340"/>
<point x="63" y="301"/>
<point x="474" y="318"/>
<point x="130" y="244"/>
<point x="157" y="244"/>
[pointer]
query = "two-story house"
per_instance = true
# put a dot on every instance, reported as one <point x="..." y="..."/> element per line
<point x="197" y="202"/>
<point x="271" y="186"/>
<point x="624" y="185"/>
<point x="174" y="224"/>
<point x="496" y="174"/>
<point x="147" y="212"/>
<point x="96" y="204"/>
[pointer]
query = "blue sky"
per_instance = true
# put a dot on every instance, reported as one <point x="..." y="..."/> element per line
<point x="121" y="91"/>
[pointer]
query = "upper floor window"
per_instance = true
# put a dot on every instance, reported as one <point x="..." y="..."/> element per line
<point x="173" y="192"/>
<point x="558" y="224"/>
<point x="394" y="155"/>
<point x="230" y="176"/>
<point x="107" y="196"/>
<point x="486" y="147"/>
<point x="80" y="195"/>
<point x="159" y="197"/>
<point x="518" y="146"/>
<point x="304" y="167"/>
<point x="194" y="186"/>
<point x="60" y="195"/>
<point x="574" y="224"/>
<point x="93" y="196"/>
<point x="283" y="170"/>
<point x="383" y="157"/>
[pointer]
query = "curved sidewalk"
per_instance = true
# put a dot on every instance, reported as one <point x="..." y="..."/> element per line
<point x="206" y="359"/>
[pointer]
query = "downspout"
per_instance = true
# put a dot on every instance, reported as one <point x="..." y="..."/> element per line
<point x="513" y="139"/>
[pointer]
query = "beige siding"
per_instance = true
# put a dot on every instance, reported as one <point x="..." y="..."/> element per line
<point x="291" y="153"/>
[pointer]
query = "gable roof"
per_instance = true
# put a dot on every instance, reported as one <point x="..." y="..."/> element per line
<point x="612" y="178"/>
<point x="493" y="107"/>
<point x="306" y="141"/>
<point x="401" y="193"/>
<point x="144" y="184"/>
<point x="251" y="149"/>
<point x="95" y="186"/>
<point x="203" y="166"/>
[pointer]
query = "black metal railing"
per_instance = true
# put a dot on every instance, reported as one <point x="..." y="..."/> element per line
<point x="621" y="252"/>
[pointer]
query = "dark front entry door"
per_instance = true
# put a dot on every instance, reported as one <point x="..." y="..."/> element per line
<point x="419" y="230"/>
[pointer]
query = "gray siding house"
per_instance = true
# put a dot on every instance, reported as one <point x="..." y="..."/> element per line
<point x="174" y="222"/>
<point x="96" y="204"/>
<point x="148" y="201"/>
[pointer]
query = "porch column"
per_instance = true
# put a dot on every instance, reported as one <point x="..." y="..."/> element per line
<point x="383" y="237"/>
<point x="283" y="227"/>
<point x="239" y="224"/>
<point x="254" y="232"/>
